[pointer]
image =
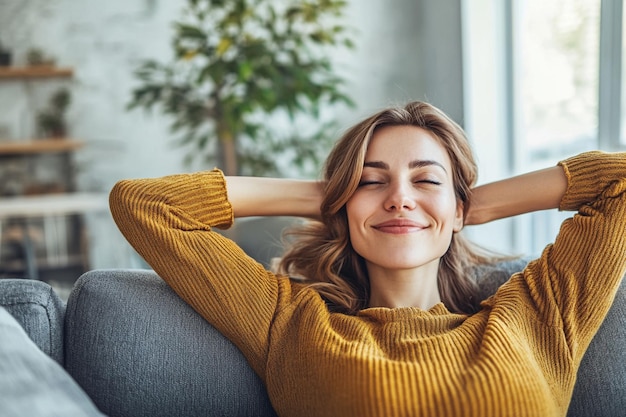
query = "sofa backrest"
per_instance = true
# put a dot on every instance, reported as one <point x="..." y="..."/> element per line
<point x="138" y="350"/>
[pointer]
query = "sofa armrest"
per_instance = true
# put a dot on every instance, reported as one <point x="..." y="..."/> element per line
<point x="39" y="310"/>
<point x="138" y="350"/>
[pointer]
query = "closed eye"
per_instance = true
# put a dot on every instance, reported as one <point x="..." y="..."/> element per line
<point x="428" y="181"/>
<point x="370" y="182"/>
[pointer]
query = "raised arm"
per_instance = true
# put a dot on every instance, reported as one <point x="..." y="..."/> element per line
<point x="257" y="196"/>
<point x="538" y="190"/>
<point x="572" y="284"/>
<point x="170" y="222"/>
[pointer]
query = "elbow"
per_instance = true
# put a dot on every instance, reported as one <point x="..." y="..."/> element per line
<point x="120" y="200"/>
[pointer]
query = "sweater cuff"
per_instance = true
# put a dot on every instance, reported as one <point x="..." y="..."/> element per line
<point x="588" y="174"/>
<point x="212" y="205"/>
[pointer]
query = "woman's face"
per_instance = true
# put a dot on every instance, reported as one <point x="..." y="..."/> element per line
<point x="404" y="211"/>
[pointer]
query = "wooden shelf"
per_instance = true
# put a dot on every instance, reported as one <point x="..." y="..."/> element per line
<point x="43" y="71"/>
<point x="38" y="146"/>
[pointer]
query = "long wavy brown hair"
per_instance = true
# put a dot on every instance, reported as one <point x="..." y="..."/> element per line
<point x="321" y="253"/>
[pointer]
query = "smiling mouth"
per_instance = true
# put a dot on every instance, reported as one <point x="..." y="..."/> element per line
<point x="399" y="226"/>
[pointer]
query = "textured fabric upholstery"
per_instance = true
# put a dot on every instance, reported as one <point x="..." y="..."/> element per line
<point x="490" y="277"/>
<point x="39" y="310"/>
<point x="139" y="350"/>
<point x="31" y="383"/>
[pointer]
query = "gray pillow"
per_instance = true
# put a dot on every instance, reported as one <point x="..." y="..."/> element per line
<point x="32" y="384"/>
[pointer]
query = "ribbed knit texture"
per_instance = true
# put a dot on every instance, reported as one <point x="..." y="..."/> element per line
<point x="517" y="357"/>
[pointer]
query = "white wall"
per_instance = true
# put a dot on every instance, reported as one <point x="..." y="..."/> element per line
<point x="406" y="50"/>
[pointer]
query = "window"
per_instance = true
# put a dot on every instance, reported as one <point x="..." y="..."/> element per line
<point x="557" y="87"/>
<point x="549" y="74"/>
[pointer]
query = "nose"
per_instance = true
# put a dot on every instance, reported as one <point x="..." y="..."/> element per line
<point x="400" y="197"/>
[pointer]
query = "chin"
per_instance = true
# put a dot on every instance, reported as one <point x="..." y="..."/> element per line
<point x="404" y="263"/>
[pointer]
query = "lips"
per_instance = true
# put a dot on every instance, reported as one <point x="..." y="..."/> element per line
<point x="399" y="226"/>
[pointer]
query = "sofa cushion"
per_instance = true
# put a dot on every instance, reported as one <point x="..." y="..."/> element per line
<point x="138" y="350"/>
<point x="32" y="384"/>
<point x="39" y="310"/>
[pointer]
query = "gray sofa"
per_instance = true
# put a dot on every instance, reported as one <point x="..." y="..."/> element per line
<point x="136" y="349"/>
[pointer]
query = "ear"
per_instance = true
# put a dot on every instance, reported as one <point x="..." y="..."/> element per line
<point x="459" y="217"/>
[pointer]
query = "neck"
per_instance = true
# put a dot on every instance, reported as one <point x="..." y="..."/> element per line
<point x="404" y="288"/>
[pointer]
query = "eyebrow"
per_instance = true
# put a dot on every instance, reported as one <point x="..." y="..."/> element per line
<point x="418" y="163"/>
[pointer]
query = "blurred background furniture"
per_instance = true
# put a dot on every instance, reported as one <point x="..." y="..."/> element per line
<point x="42" y="233"/>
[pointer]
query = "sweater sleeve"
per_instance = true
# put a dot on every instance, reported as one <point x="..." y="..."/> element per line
<point x="169" y="222"/>
<point x="573" y="283"/>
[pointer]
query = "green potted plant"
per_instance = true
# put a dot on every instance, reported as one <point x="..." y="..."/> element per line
<point x="51" y="121"/>
<point x="238" y="63"/>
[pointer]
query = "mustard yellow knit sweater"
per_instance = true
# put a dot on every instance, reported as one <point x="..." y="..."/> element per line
<point x="517" y="357"/>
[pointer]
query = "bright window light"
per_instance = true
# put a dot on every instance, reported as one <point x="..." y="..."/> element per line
<point x="557" y="75"/>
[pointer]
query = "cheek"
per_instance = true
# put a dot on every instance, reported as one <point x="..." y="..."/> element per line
<point x="353" y="214"/>
<point x="354" y="206"/>
<point x="357" y="213"/>
<point x="446" y="208"/>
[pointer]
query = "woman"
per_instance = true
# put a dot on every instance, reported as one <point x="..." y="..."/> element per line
<point x="383" y="322"/>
